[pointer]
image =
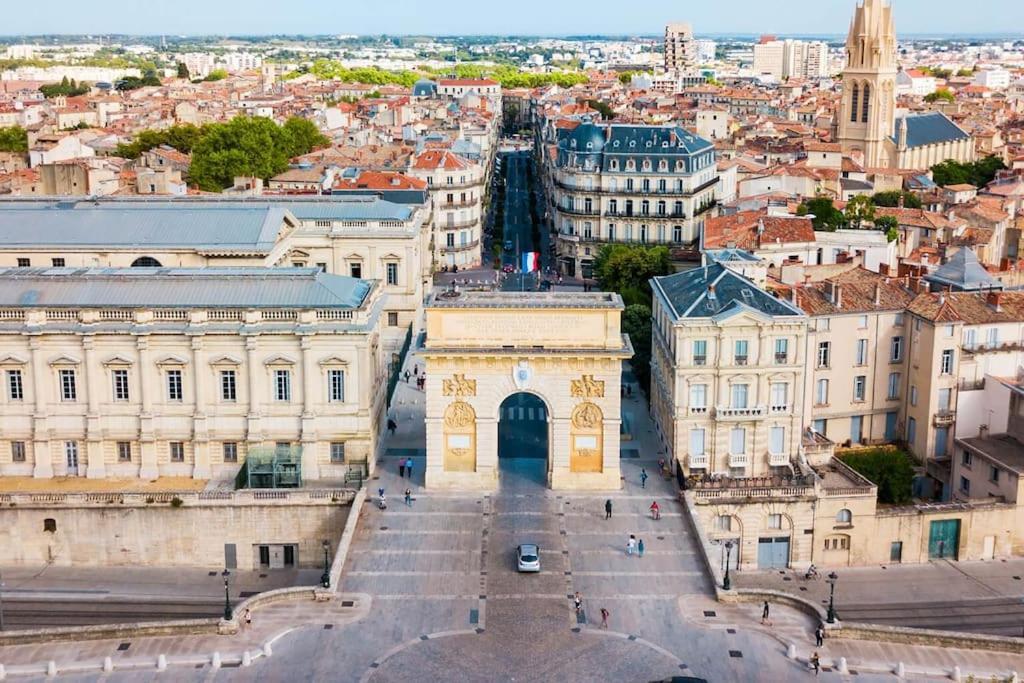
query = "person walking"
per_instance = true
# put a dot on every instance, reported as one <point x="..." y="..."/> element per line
<point x="608" y="509"/>
<point x="408" y="467"/>
<point x="764" y="614"/>
<point x="815" y="663"/>
<point x="604" y="617"/>
<point x="406" y="376"/>
<point x="408" y="497"/>
<point x="248" y="617"/>
<point x="819" y="636"/>
<point x="578" y="601"/>
<point x="392" y="426"/>
<point x="640" y="547"/>
<point x="401" y="468"/>
<point x="631" y="544"/>
<point x="643" y="478"/>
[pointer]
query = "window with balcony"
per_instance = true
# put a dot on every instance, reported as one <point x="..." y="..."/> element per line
<point x="738" y="441"/>
<point x="777" y="440"/>
<point x="741" y="349"/>
<point x="824" y="354"/>
<point x="697" y="441"/>
<point x="613" y="206"/>
<point x="740" y="396"/>
<point x="781" y="351"/>
<point x="860" y="383"/>
<point x="645" y="208"/>
<point x="699" y="396"/>
<point x="780" y="396"/>
<point x="700" y="352"/>
<point x="661" y="208"/>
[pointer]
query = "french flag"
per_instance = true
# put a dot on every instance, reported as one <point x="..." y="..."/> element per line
<point x="531" y="261"/>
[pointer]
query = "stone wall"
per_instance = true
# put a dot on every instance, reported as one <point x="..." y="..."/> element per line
<point x="126" y="530"/>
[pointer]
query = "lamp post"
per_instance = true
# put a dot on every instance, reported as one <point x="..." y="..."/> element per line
<point x="325" y="579"/>
<point x="726" y="583"/>
<point x="832" y="578"/>
<point x="227" y="596"/>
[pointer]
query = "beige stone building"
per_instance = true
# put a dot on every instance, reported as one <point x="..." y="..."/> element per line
<point x="118" y="372"/>
<point x="457" y="188"/>
<point x="483" y="349"/>
<point x="360" y="237"/>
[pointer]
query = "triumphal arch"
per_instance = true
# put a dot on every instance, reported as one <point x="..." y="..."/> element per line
<point x="481" y="348"/>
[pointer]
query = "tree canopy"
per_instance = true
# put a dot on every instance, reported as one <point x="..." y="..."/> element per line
<point x="942" y="94"/>
<point x="183" y="71"/>
<point x="978" y="173"/>
<point x="216" y="75"/>
<point x="13" y="139"/>
<point x="628" y="269"/>
<point x="134" y="82"/>
<point x="506" y="75"/>
<point x="858" y="210"/>
<point x="181" y="137"/>
<point x="892" y="199"/>
<point x="891" y="471"/>
<point x="826" y="217"/>
<point x="66" y="88"/>
<point x="602" y="108"/>
<point x="248" y="146"/>
<point x="889" y="225"/>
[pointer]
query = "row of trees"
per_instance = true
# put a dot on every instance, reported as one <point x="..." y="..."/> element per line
<point x="978" y="173"/>
<point x="860" y="210"/>
<point x="508" y="76"/>
<point x="244" y="146"/>
<point x="67" y="88"/>
<point x="628" y="269"/>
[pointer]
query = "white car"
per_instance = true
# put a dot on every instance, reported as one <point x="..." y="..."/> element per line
<point x="528" y="558"/>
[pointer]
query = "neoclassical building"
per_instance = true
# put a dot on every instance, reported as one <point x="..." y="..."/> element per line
<point x="457" y="188"/>
<point x="613" y="183"/>
<point x="868" y="127"/>
<point x="360" y="237"/>
<point x="122" y="372"/>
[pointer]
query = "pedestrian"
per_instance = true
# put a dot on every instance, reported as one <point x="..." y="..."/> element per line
<point x="392" y="426"/>
<point x="640" y="547"/>
<point x="631" y="544"/>
<point x="401" y="468"/>
<point x="608" y="509"/>
<point x="408" y="497"/>
<point x="764" y="613"/>
<point x="643" y="478"/>
<point x="604" y="617"/>
<point x="416" y="370"/>
<point x="380" y="492"/>
<point x="578" y="601"/>
<point x="819" y="636"/>
<point x="406" y="376"/>
<point x="815" y="663"/>
<point x="408" y="467"/>
<point x="248" y="617"/>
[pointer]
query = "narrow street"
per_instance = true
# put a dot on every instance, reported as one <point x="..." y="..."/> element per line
<point x="518" y="225"/>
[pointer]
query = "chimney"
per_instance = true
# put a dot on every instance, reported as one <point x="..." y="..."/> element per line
<point x="792" y="292"/>
<point x="982" y="431"/>
<point x="837" y="295"/>
<point x="900" y="203"/>
<point x="807" y="280"/>
<point x="883" y="269"/>
<point x="878" y="294"/>
<point x="994" y="299"/>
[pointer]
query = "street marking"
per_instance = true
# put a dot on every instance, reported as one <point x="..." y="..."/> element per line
<point x="656" y="573"/>
<point x="410" y="573"/>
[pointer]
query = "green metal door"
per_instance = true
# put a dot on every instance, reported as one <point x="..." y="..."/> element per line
<point x="944" y="539"/>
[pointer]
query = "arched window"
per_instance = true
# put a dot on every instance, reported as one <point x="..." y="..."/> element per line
<point x="844" y="516"/>
<point x="855" y="99"/>
<point x="867" y="103"/>
<point x="146" y="262"/>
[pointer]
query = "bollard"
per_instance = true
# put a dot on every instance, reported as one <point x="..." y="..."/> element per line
<point x="956" y="675"/>
<point x="215" y="661"/>
<point x="901" y="671"/>
<point x="843" y="668"/>
<point x="791" y="651"/>
<point x="161" y="663"/>
<point x="267" y="652"/>
<point x="51" y="668"/>
<point x="108" y="664"/>
<point x="246" y="658"/>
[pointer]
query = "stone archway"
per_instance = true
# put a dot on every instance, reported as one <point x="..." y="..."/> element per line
<point x="566" y="349"/>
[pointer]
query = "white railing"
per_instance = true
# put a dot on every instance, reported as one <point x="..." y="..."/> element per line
<point x="11" y="314"/>
<point x="333" y="315"/>
<point x="218" y="315"/>
<point x="738" y="460"/>
<point x="279" y="315"/>
<point x="778" y="459"/>
<point x="779" y="409"/>
<point x="698" y="410"/>
<point x="756" y="411"/>
<point x="117" y="315"/>
<point x="60" y="314"/>
<point x="699" y="460"/>
<point x="170" y="315"/>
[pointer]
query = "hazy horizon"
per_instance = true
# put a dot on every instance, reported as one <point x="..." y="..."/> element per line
<point x="195" y="18"/>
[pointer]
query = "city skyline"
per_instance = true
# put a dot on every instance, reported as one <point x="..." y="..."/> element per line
<point x="412" y="17"/>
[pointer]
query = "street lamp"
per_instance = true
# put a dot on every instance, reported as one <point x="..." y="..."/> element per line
<point x="227" y="596"/>
<point x="726" y="583"/>
<point x="325" y="580"/>
<point x="832" y="578"/>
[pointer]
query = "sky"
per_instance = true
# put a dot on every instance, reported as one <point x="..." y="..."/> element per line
<point x="524" y="17"/>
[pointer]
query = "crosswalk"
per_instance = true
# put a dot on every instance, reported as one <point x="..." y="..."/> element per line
<point x="524" y="414"/>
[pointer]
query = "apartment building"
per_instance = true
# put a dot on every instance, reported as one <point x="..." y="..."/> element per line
<point x="797" y="59"/>
<point x="680" y="47"/>
<point x="989" y="463"/>
<point x="611" y="183"/>
<point x="457" y="188"/>
<point x="360" y="237"/>
<point x="122" y="372"/>
<point x="727" y="373"/>
<point x="956" y="341"/>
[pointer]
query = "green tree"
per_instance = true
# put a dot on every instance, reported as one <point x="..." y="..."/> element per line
<point x="181" y="137"/>
<point x="890" y="470"/>
<point x="66" y="88"/>
<point x="216" y="75"/>
<point x="602" y="108"/>
<point x="636" y="322"/>
<point x="942" y="94"/>
<point x="978" y="173"/>
<point x="892" y="199"/>
<point x="627" y="76"/>
<point x="889" y="225"/>
<point x="858" y="210"/>
<point x="628" y="269"/>
<point x="14" y="139"/>
<point x="825" y="216"/>
<point x="183" y="71"/>
<point x="301" y="136"/>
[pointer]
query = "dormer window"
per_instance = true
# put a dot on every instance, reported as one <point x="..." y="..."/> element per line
<point x="615" y="144"/>
<point x="613" y="165"/>
<point x="590" y="145"/>
<point x="632" y="143"/>
<point x="647" y="164"/>
<point x="648" y="144"/>
<point x="679" y="165"/>
<point x="630" y="165"/>
<point x="662" y="165"/>
<point x="572" y="143"/>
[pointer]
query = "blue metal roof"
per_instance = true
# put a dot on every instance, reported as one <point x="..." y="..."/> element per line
<point x="601" y="143"/>
<point x="964" y="273"/>
<point x="689" y="294"/>
<point x="929" y="129"/>
<point x="179" y="288"/>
